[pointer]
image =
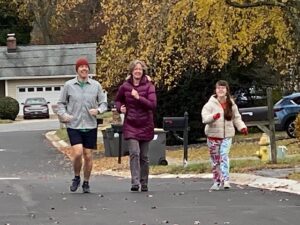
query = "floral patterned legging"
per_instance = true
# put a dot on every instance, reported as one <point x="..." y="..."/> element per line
<point x="219" y="150"/>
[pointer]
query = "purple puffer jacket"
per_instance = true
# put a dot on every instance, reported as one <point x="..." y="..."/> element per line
<point x="138" y="122"/>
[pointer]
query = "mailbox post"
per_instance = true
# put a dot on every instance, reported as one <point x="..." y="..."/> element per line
<point x="117" y="128"/>
<point x="263" y="118"/>
<point x="174" y="124"/>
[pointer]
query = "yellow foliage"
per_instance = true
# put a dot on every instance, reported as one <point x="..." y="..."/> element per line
<point x="50" y="10"/>
<point x="297" y="126"/>
<point x="173" y="35"/>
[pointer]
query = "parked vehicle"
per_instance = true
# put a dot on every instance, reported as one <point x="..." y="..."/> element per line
<point x="35" y="108"/>
<point x="286" y="111"/>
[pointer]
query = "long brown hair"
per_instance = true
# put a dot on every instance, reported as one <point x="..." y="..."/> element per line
<point x="228" y="109"/>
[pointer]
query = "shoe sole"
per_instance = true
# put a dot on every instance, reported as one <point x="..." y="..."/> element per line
<point x="214" y="189"/>
<point x="135" y="189"/>
<point x="73" y="190"/>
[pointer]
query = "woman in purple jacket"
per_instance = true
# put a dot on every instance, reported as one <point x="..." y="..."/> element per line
<point x="136" y="98"/>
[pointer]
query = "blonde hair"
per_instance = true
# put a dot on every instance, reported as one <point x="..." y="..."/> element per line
<point x="133" y="64"/>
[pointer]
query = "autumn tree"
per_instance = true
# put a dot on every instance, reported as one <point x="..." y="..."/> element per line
<point x="11" y="23"/>
<point x="47" y="15"/>
<point x="173" y="36"/>
<point x="82" y="24"/>
<point x="291" y="9"/>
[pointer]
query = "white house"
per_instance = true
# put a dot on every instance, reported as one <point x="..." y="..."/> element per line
<point x="40" y="70"/>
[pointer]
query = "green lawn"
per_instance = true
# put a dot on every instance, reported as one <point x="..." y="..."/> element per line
<point x="294" y="176"/>
<point x="236" y="166"/>
<point x="5" y="121"/>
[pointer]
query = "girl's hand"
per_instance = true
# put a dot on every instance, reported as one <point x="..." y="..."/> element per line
<point x="244" y="131"/>
<point x="216" y="116"/>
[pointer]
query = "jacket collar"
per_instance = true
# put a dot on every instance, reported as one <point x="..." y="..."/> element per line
<point x="75" y="81"/>
<point x="143" y="81"/>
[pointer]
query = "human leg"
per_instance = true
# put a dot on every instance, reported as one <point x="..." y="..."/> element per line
<point x="134" y="154"/>
<point x="225" y="162"/>
<point x="144" y="164"/>
<point x="214" y="147"/>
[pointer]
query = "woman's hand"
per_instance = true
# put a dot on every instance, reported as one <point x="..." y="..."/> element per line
<point x="123" y="109"/>
<point x="135" y="94"/>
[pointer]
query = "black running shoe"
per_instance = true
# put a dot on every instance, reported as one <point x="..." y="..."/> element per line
<point x="75" y="184"/>
<point x="135" y="188"/>
<point x="86" y="187"/>
<point x="144" y="188"/>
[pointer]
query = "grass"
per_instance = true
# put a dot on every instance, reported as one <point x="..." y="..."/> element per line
<point x="237" y="166"/>
<point x="5" y="121"/>
<point x="106" y="115"/>
<point x="294" y="176"/>
<point x="238" y="150"/>
<point x="62" y="134"/>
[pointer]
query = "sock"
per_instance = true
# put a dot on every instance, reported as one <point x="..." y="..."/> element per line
<point x="77" y="177"/>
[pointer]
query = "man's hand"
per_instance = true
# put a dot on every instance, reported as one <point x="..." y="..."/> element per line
<point x="93" y="112"/>
<point x="66" y="117"/>
<point x="135" y="94"/>
<point x="123" y="109"/>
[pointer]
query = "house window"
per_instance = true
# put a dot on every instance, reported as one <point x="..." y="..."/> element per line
<point x="30" y="89"/>
<point x="56" y="88"/>
<point x="48" y="88"/>
<point x="22" y="90"/>
<point x="39" y="89"/>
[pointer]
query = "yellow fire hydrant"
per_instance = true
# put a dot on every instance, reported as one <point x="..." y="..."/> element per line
<point x="264" y="148"/>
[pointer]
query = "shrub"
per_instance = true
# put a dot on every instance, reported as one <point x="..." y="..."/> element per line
<point x="9" y="108"/>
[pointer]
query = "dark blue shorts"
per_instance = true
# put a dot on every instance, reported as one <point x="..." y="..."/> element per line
<point x="88" y="139"/>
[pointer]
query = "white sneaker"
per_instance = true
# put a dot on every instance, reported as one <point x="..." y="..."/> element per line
<point x="215" y="187"/>
<point x="226" y="185"/>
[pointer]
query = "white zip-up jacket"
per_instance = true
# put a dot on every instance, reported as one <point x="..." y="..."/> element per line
<point x="220" y="128"/>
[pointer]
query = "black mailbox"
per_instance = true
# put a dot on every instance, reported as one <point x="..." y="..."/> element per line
<point x="174" y="123"/>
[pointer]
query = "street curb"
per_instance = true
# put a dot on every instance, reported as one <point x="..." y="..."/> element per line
<point x="251" y="180"/>
<point x="272" y="184"/>
<point x="55" y="140"/>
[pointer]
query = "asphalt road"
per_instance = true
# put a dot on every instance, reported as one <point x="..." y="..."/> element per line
<point x="34" y="181"/>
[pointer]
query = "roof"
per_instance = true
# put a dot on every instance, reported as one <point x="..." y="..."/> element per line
<point x="45" y="60"/>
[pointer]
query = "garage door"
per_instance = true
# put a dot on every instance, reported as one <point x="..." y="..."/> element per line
<point x="50" y="93"/>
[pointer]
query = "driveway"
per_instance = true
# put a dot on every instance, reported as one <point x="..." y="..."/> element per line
<point x="30" y="125"/>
